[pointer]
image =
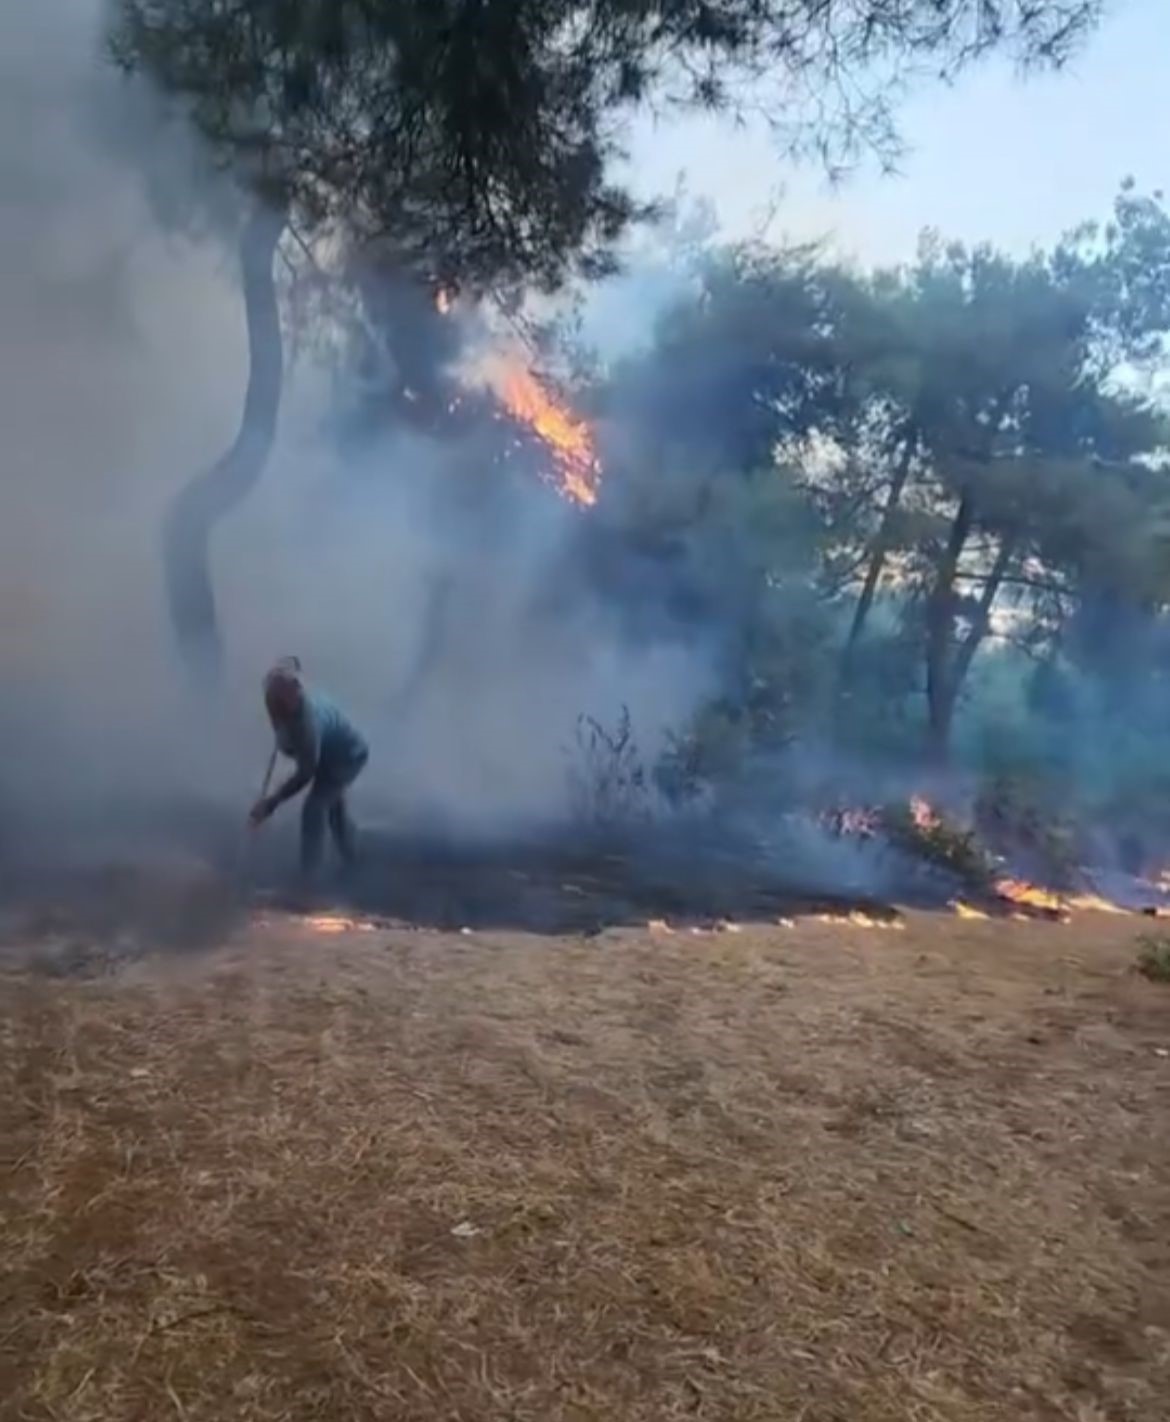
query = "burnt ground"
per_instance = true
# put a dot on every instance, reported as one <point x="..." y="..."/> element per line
<point x="818" y="1172"/>
<point x="183" y="881"/>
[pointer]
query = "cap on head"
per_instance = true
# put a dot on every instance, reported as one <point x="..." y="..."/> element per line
<point x="282" y="687"/>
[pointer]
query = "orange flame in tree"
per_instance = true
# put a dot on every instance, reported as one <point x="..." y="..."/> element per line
<point x="567" y="436"/>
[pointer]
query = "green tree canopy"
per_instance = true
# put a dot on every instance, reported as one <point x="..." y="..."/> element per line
<point x="474" y="138"/>
<point x="975" y="433"/>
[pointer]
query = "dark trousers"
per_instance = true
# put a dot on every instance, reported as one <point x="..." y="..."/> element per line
<point x="325" y="804"/>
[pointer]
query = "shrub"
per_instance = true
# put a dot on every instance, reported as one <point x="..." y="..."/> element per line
<point x="939" y="842"/>
<point x="1154" y="958"/>
<point x="607" y="780"/>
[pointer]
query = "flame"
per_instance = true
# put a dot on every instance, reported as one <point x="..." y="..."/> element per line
<point x="966" y="911"/>
<point x="444" y="301"/>
<point x="923" y="813"/>
<point x="857" y="919"/>
<point x="1032" y="896"/>
<point x="1094" y="903"/>
<point x="1029" y="895"/>
<point x="567" y="436"/>
<point x="330" y="923"/>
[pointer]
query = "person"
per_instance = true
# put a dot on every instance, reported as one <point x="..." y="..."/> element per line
<point x="329" y="754"/>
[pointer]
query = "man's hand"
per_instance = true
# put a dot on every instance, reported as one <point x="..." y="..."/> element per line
<point x="261" y="811"/>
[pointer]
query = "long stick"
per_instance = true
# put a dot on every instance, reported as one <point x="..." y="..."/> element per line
<point x="263" y="789"/>
<point x="268" y="773"/>
<point x="245" y="856"/>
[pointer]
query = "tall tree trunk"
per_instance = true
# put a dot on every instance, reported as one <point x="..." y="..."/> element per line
<point x="212" y="494"/>
<point x="942" y="684"/>
<point x="940" y="616"/>
<point x="879" y="553"/>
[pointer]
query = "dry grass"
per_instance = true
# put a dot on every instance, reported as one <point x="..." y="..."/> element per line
<point x="818" y="1174"/>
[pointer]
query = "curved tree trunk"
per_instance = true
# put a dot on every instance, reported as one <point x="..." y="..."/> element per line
<point x="208" y="497"/>
<point x="944" y="673"/>
<point x="878" y="553"/>
<point x="947" y="669"/>
<point x="981" y="622"/>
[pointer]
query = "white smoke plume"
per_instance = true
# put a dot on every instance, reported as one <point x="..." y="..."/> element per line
<point x="123" y="356"/>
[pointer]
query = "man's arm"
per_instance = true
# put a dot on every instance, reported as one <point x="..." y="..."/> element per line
<point x="302" y="745"/>
<point x="295" y="783"/>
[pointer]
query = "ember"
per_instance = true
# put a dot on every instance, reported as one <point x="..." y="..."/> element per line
<point x="858" y="919"/>
<point x="566" y="435"/>
<point x="328" y="923"/>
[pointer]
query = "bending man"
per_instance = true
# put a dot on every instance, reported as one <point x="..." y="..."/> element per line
<point x="329" y="754"/>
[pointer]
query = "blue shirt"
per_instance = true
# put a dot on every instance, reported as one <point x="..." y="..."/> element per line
<point x="322" y="740"/>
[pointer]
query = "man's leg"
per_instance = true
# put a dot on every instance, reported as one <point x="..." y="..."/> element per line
<point x="340" y="823"/>
<point x="317" y="806"/>
<point x="342" y="829"/>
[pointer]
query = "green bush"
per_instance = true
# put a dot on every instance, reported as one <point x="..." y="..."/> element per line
<point x="1154" y="958"/>
<point x="937" y="841"/>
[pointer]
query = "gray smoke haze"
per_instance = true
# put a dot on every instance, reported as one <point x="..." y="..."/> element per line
<point x="122" y="349"/>
<point x="121" y="364"/>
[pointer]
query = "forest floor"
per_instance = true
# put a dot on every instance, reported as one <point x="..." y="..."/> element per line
<point x="810" y="1173"/>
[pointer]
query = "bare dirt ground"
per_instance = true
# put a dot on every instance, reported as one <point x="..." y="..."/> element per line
<point x="819" y="1174"/>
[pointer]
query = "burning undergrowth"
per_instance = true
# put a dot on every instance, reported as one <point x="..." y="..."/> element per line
<point x="625" y="858"/>
<point x="976" y="862"/>
<point x="986" y="852"/>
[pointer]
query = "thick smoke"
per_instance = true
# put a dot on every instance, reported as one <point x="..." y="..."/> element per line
<point x="466" y="615"/>
<point x="449" y="614"/>
<point x="122" y="363"/>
